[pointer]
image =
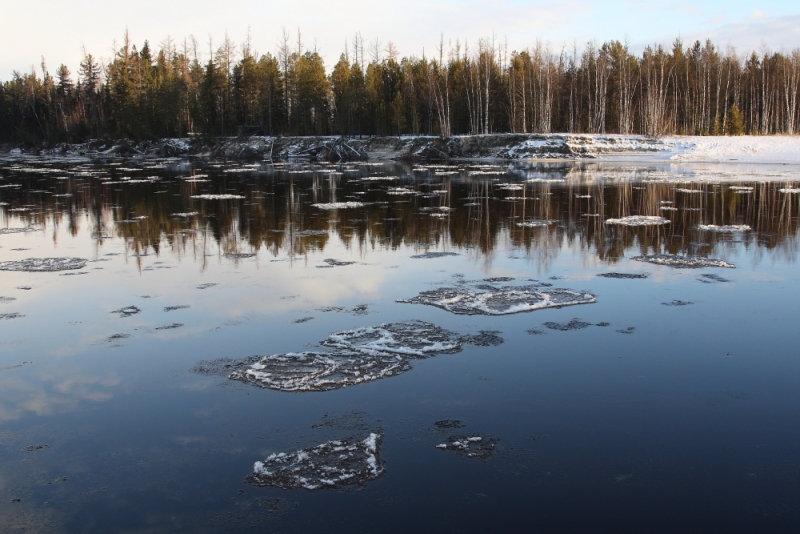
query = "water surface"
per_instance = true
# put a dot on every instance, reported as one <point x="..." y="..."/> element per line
<point x="669" y="404"/>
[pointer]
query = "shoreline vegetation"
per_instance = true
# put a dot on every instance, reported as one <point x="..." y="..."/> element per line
<point x="462" y="89"/>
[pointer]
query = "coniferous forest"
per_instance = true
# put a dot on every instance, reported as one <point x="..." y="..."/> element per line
<point x="460" y="88"/>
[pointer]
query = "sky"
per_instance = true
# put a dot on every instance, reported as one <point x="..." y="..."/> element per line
<point x="60" y="30"/>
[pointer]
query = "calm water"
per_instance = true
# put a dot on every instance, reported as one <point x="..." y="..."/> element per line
<point x="669" y="419"/>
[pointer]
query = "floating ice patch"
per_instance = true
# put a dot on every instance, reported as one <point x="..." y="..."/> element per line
<point x="683" y="190"/>
<point x="574" y="324"/>
<point x="449" y="423"/>
<point x="678" y="303"/>
<point x="500" y="301"/>
<point x="187" y="214"/>
<point x="789" y="190"/>
<point x="39" y="265"/>
<point x="329" y="465"/>
<point x="689" y="262"/>
<point x="624" y="275"/>
<point x="339" y="205"/>
<point x="117" y="337"/>
<point x="127" y="311"/>
<point x="17" y="230"/>
<point x="712" y="278"/>
<point x="668" y="208"/>
<point x="308" y="233"/>
<point x="639" y="220"/>
<point x="400" y="191"/>
<point x="476" y="446"/>
<point x="218" y="197"/>
<point x="207" y="285"/>
<point x="169" y="326"/>
<point x="725" y="229"/>
<point x="440" y="209"/>
<point x="433" y="255"/>
<point x="335" y="263"/>
<point x="350" y="357"/>
<point x="536" y="223"/>
<point x="741" y="189"/>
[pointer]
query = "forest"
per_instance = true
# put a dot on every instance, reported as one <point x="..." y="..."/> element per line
<point x="460" y="88"/>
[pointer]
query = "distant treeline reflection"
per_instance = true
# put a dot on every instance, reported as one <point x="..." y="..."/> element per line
<point x="477" y="208"/>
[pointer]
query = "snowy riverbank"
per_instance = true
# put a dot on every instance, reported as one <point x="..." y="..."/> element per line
<point x="611" y="147"/>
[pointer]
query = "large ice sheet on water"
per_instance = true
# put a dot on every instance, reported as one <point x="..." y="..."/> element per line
<point x="329" y="465"/>
<point x="38" y="265"/>
<point x="351" y="357"/>
<point x="689" y="262"/>
<point x="499" y="300"/>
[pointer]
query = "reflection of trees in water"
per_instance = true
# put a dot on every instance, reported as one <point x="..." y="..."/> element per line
<point x="277" y="213"/>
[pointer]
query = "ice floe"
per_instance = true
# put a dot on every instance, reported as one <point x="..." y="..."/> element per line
<point x="309" y="233"/>
<point x="17" y="230"/>
<point x="348" y="357"/>
<point x="475" y="446"/>
<point x="329" y="465"/>
<point x="489" y="300"/>
<point x="574" y="324"/>
<point x="432" y="255"/>
<point x="127" y="311"/>
<point x="335" y="263"/>
<point x="639" y="220"/>
<point x="339" y="205"/>
<point x="207" y="285"/>
<point x="536" y="223"/>
<point x="36" y="265"/>
<point x="711" y="278"/>
<point x="689" y="262"/>
<point x="218" y="197"/>
<point x="725" y="229"/>
<point x="624" y="275"/>
<point x="169" y="326"/>
<point x="789" y="190"/>
<point x="678" y="303"/>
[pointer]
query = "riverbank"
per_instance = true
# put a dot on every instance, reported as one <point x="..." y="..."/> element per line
<point x="707" y="149"/>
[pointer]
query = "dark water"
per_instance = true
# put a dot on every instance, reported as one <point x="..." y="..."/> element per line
<point x="670" y="418"/>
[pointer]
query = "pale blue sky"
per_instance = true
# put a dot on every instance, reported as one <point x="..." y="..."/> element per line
<point x="59" y="29"/>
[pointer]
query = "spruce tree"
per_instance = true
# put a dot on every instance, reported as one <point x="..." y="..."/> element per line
<point x="735" y="124"/>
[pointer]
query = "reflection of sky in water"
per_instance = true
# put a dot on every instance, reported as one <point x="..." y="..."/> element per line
<point x="698" y="405"/>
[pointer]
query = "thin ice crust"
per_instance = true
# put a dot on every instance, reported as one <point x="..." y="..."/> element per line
<point x="687" y="262"/>
<point x="43" y="265"/>
<point x="502" y="301"/>
<point x="329" y="465"/>
<point x="353" y="357"/>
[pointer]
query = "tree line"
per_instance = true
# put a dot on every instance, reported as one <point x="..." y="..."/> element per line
<point x="460" y="88"/>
